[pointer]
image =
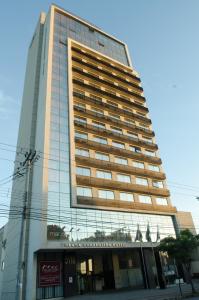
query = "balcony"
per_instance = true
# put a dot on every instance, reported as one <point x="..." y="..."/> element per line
<point x="92" y="57"/>
<point x="111" y="166"/>
<point x="106" y="82"/>
<point x="109" y="94"/>
<point x="114" y="135"/>
<point x="123" y="100"/>
<point x="89" y="144"/>
<point x="124" y="205"/>
<point x="115" y="109"/>
<point x="93" y="67"/>
<point x="108" y="119"/>
<point x="121" y="186"/>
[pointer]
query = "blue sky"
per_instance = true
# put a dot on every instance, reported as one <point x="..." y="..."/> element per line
<point x="163" y="40"/>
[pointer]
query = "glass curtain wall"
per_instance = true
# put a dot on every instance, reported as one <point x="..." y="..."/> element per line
<point x="64" y="222"/>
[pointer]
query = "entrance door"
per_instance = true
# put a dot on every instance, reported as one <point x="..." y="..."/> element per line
<point x="86" y="280"/>
<point x="109" y="281"/>
<point x="70" y="277"/>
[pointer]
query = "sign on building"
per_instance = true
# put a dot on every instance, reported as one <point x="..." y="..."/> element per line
<point x="49" y="273"/>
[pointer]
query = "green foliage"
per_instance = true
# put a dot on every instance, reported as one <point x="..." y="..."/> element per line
<point x="181" y="247"/>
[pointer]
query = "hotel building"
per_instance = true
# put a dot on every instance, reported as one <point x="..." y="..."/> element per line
<point x="96" y="199"/>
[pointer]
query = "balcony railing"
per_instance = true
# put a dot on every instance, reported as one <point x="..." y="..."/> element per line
<point x="118" y="151"/>
<point x="109" y="94"/>
<point x="114" y="121"/>
<point x="112" y="166"/>
<point x="124" y="205"/>
<point x="92" y="57"/>
<point x="121" y="186"/>
<point x="114" y="108"/>
<point x="109" y="133"/>
<point x="107" y="82"/>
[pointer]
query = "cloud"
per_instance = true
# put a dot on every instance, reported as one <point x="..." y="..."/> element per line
<point x="8" y="105"/>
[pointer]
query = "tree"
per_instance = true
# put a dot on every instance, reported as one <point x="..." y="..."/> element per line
<point x="55" y="232"/>
<point x="181" y="249"/>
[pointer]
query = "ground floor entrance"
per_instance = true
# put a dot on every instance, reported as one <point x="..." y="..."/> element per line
<point x="83" y="271"/>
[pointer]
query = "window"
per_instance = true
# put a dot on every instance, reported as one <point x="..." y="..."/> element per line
<point x="153" y="168"/>
<point x="129" y="121"/>
<point x="127" y="108"/>
<point x="141" y="181"/>
<point x="122" y="96"/>
<point x="84" y="191"/>
<point x="78" y="79"/>
<point x="111" y="92"/>
<point x="106" y="194"/>
<point x="146" y="139"/>
<point x="93" y="74"/>
<point x="149" y="153"/>
<point x="95" y="97"/>
<point x="100" y="140"/>
<point x="83" y="171"/>
<point x="140" y="114"/>
<point x="131" y="134"/>
<point x="145" y="199"/>
<point x="82" y="152"/>
<point x="135" y="149"/>
<point x="122" y="161"/>
<point x="117" y="117"/>
<point x="102" y="156"/>
<point x="94" y="85"/>
<point x="118" y="145"/>
<point x="138" y="102"/>
<point x="98" y="124"/>
<point x="97" y="110"/>
<point x="161" y="201"/>
<point x="80" y="105"/>
<point x="81" y="135"/>
<point x="124" y="178"/>
<point x="111" y="103"/>
<point x="143" y="126"/>
<point x="116" y="129"/>
<point x="103" y="174"/>
<point x="158" y="184"/>
<point x="79" y="119"/>
<point x="126" y="196"/>
<point x="138" y="164"/>
<point x="78" y="92"/>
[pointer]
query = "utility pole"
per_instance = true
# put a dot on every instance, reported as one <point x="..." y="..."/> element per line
<point x="30" y="158"/>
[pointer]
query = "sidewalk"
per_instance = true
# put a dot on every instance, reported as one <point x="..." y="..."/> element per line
<point x="170" y="293"/>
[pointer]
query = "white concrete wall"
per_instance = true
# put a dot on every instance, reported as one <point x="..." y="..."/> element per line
<point x="25" y="140"/>
<point x="38" y="228"/>
<point x="3" y="239"/>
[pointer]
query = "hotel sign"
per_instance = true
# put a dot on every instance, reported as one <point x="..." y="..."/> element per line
<point x="49" y="273"/>
<point x="91" y="245"/>
<point x="97" y="245"/>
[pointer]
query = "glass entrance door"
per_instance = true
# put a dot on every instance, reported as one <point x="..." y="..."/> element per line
<point x="85" y="275"/>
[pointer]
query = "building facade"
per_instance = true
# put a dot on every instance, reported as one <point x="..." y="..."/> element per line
<point x="96" y="201"/>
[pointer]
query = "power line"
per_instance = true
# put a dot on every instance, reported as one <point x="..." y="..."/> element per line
<point x="170" y="183"/>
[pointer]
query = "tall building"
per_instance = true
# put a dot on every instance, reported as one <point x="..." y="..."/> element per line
<point x="93" y="205"/>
